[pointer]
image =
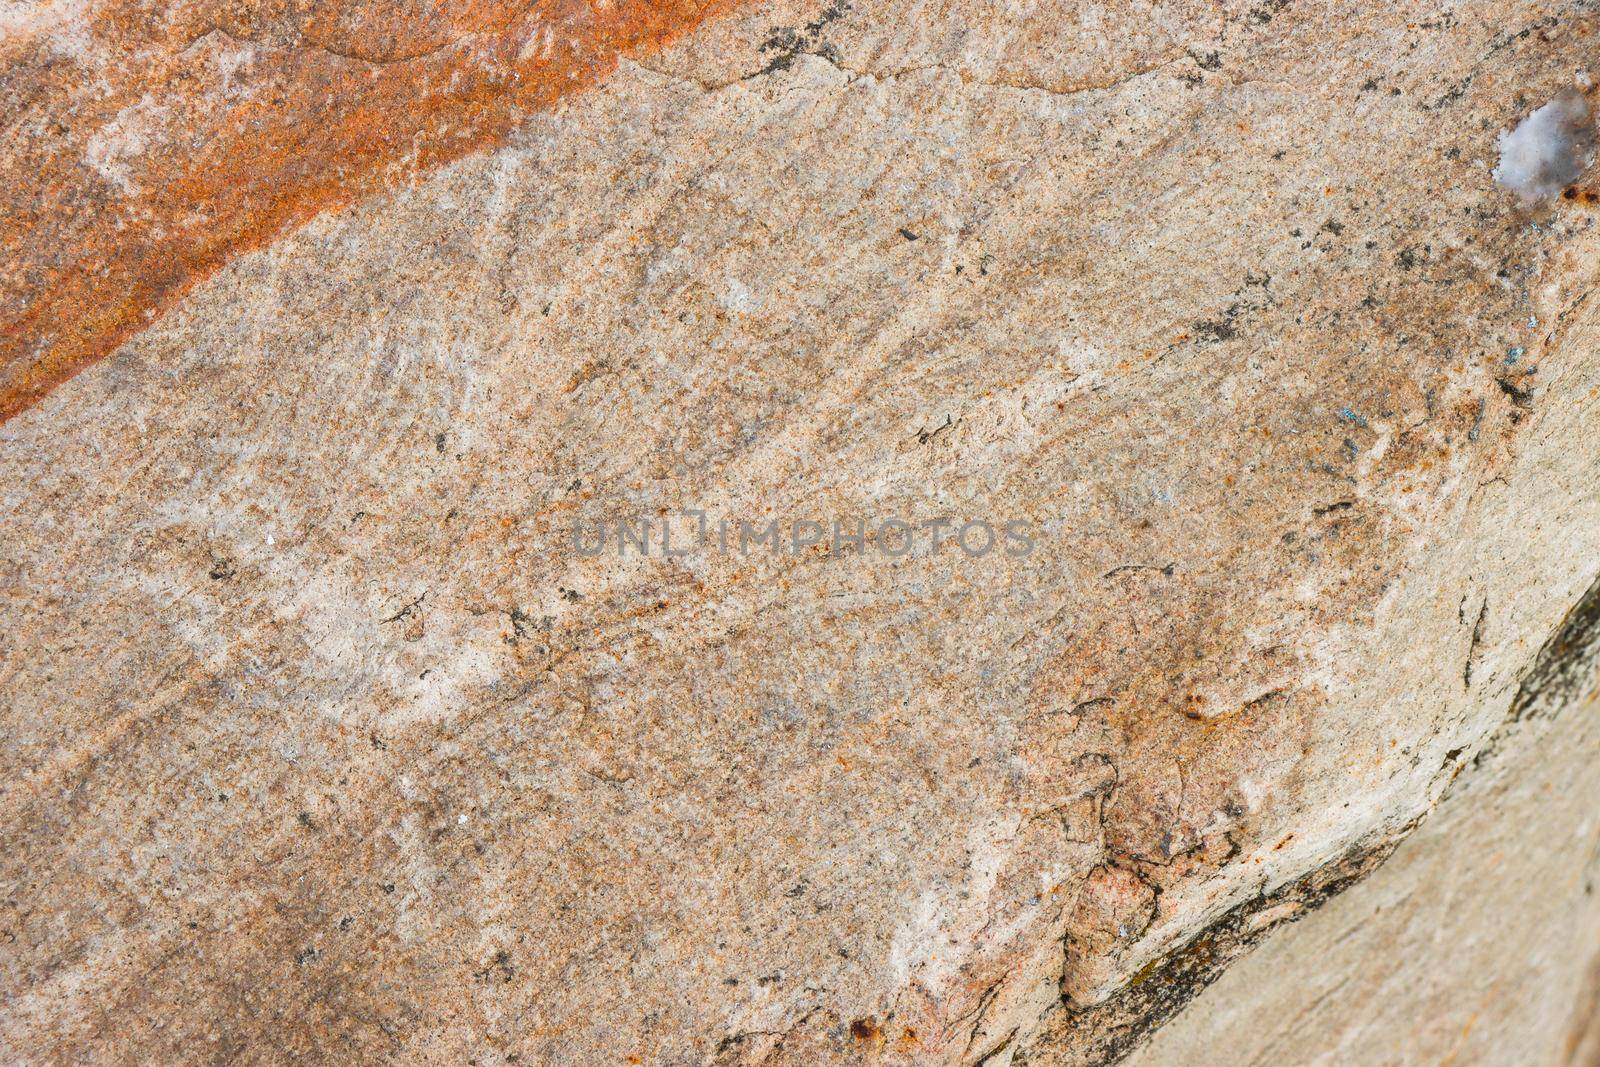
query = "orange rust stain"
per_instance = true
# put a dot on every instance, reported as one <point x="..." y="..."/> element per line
<point x="143" y="153"/>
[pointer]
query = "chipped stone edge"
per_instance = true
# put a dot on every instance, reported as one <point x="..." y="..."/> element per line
<point x="1110" y="1031"/>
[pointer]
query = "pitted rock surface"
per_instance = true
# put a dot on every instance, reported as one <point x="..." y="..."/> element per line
<point x="325" y="741"/>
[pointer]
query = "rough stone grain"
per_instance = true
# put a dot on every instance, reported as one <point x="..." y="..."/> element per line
<point x="323" y="743"/>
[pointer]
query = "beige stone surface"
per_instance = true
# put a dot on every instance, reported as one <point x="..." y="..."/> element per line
<point x="1478" y="942"/>
<point x="323" y="744"/>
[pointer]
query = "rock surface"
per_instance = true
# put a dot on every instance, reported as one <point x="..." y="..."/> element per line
<point x="1475" y="943"/>
<point x="326" y="742"/>
<point x="149" y="145"/>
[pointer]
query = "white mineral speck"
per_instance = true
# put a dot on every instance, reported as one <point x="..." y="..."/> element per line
<point x="1548" y="150"/>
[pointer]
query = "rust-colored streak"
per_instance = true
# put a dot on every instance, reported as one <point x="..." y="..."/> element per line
<point x="145" y="147"/>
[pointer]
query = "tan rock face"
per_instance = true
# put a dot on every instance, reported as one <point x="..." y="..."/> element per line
<point x="1484" y="924"/>
<point x="326" y="740"/>
<point x="150" y="145"/>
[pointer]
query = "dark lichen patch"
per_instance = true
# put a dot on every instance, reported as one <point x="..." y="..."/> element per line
<point x="788" y="44"/>
<point x="1215" y="331"/>
<point x="1520" y="393"/>
<point x="1109" y="1031"/>
<point x="1566" y="664"/>
<point x="498" y="971"/>
<point x="524" y="626"/>
<point x="1408" y="258"/>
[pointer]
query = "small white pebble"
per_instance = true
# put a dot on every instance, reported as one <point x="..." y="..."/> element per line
<point x="1548" y="150"/>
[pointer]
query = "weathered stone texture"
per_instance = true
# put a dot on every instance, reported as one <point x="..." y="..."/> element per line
<point x="148" y="145"/>
<point x="323" y="743"/>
